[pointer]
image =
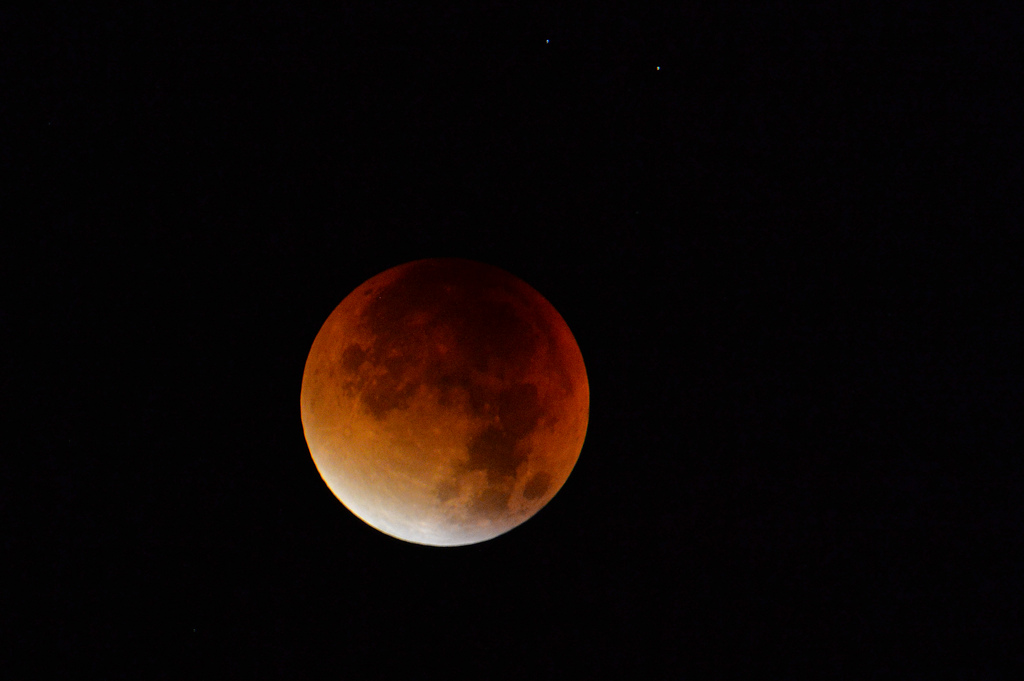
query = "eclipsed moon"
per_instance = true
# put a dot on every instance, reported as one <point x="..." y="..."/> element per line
<point x="444" y="402"/>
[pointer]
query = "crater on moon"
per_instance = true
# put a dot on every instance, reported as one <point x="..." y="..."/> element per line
<point x="444" y="401"/>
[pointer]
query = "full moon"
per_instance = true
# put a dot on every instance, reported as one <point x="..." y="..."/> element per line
<point x="444" y="402"/>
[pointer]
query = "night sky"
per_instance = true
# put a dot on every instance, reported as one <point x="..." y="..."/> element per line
<point x="786" y="243"/>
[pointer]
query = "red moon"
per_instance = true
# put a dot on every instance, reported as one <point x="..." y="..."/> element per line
<point x="444" y="402"/>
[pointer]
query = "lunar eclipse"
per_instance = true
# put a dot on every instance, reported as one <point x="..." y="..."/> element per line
<point x="444" y="402"/>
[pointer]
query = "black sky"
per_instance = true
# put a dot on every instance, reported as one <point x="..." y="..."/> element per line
<point x="785" y="242"/>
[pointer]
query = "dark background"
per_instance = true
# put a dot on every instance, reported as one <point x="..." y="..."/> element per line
<point x="788" y="257"/>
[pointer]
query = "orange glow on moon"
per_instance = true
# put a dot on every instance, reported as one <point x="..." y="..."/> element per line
<point x="444" y="402"/>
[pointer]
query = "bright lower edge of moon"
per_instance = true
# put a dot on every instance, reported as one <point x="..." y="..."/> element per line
<point x="444" y="402"/>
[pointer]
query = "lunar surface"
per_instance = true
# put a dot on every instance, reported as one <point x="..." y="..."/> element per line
<point x="444" y="402"/>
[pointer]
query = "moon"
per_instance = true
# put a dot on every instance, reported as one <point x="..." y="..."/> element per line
<point x="444" y="402"/>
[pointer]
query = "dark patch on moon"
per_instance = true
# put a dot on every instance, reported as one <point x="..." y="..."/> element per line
<point x="537" y="486"/>
<point x="497" y="450"/>
<point x="491" y="503"/>
<point x="494" y="452"/>
<point x="461" y="305"/>
<point x="352" y="358"/>
<point x="519" y="409"/>
<point x="382" y="393"/>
